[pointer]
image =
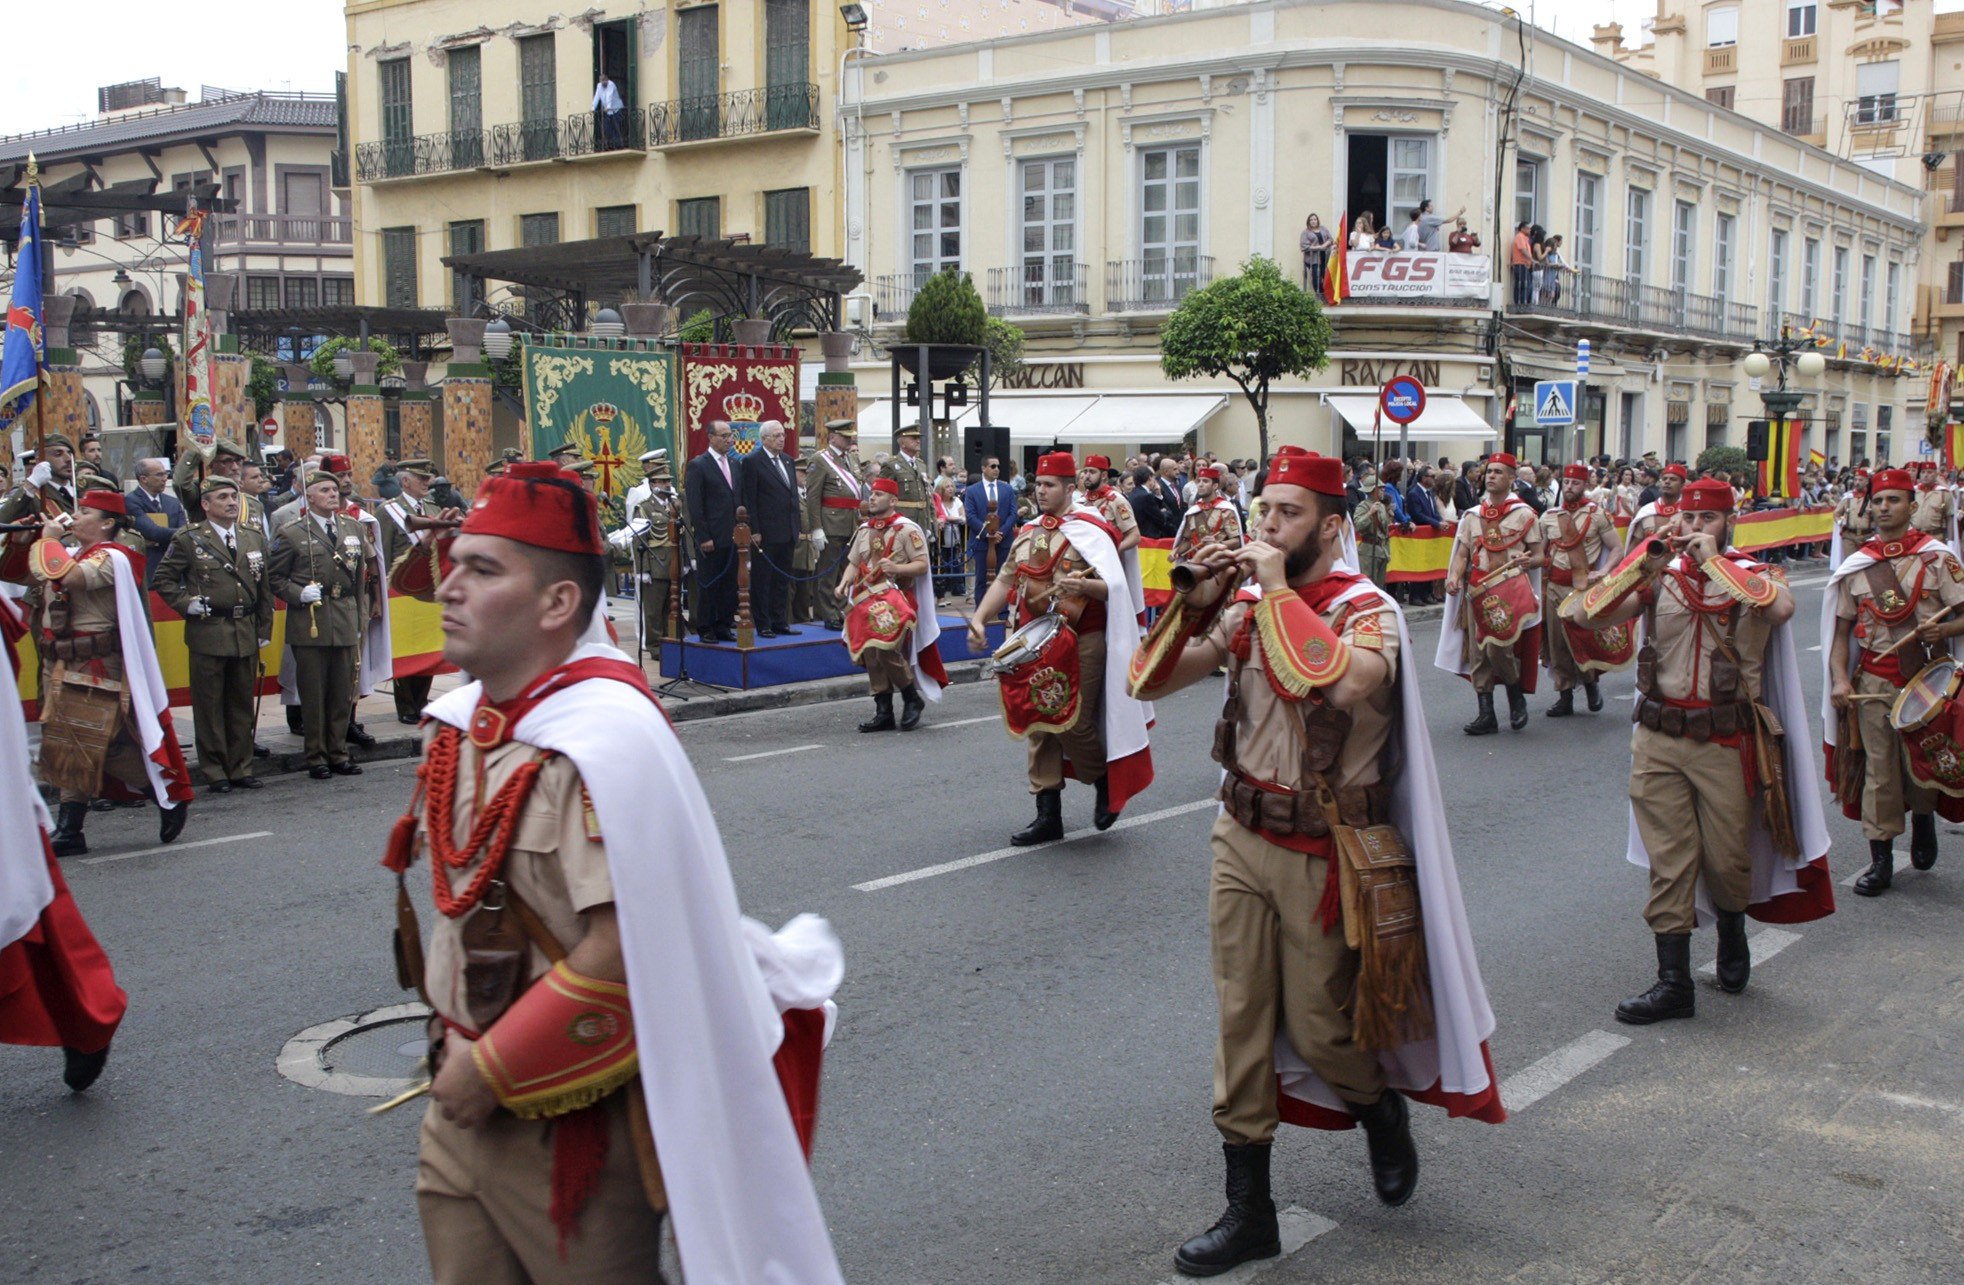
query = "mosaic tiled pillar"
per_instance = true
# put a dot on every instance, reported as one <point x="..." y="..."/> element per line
<point x="367" y="435"/>
<point x="67" y="409"/>
<point x="418" y="419"/>
<point x="231" y="402"/>
<point x="466" y="426"/>
<point x="147" y="407"/>
<point x="838" y="398"/>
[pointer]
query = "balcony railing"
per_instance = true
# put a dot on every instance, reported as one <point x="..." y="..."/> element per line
<point x="1155" y="284"/>
<point x="284" y="229"/>
<point x="1617" y="302"/>
<point x="1722" y="59"/>
<point x="1955" y="291"/>
<point x="421" y="154"/>
<point x="733" y="115"/>
<point x="1038" y="288"/>
<point x="1797" y="50"/>
<point x="894" y="293"/>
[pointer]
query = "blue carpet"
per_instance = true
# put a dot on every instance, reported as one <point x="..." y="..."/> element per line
<point x="813" y="652"/>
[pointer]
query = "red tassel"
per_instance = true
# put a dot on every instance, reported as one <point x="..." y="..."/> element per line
<point x="401" y="849"/>
<point x="1329" y="909"/>
<point x="579" y="1153"/>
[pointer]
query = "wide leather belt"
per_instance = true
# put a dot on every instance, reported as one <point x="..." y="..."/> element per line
<point x="1689" y="723"/>
<point x="1258" y="805"/>
<point x="85" y="646"/>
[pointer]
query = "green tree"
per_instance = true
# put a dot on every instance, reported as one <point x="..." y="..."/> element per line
<point x="263" y="385"/>
<point x="1723" y="461"/>
<point x="1254" y="328"/>
<point x="1004" y="340"/>
<point x="947" y="310"/>
<point x="322" y="362"/>
<point x="699" y="328"/>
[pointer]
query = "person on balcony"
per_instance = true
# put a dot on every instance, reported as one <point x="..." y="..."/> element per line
<point x="613" y="113"/>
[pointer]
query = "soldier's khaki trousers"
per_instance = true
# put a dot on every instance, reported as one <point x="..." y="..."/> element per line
<point x="1554" y="640"/>
<point x="1693" y="814"/>
<point x="886" y="668"/>
<point x="221" y="715"/>
<point x="325" y="677"/>
<point x="1276" y="969"/>
<point x="1492" y="665"/>
<point x="485" y="1195"/>
<point x="1085" y="743"/>
<point x="653" y="595"/>
<point x="1887" y="791"/>
<point x="825" y="589"/>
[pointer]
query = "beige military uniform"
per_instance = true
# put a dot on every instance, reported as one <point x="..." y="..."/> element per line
<point x="1214" y="519"/>
<point x="1372" y="522"/>
<point x="1933" y="580"/>
<point x="1652" y="519"/>
<point x="833" y="494"/>
<point x="887" y="668"/>
<point x="1933" y="512"/>
<point x="326" y="637"/>
<point x="1575" y="540"/>
<point x="1037" y="556"/>
<point x="1490" y="539"/>
<point x="1115" y="509"/>
<point x="484" y="1194"/>
<point x="234" y="579"/>
<point x="83" y="673"/>
<point x="658" y="548"/>
<point x="1688" y="796"/>
<point x="916" y="484"/>
<point x="1855" y="522"/>
<point x="1275" y="968"/>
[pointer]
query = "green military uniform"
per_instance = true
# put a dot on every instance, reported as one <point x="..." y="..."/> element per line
<point x="412" y="691"/>
<point x="916" y="483"/>
<point x="653" y="531"/>
<point x="833" y="494"/>
<point x="804" y="559"/>
<point x="219" y="581"/>
<point x="1373" y="523"/>
<point x="192" y="469"/>
<point x="326" y="637"/>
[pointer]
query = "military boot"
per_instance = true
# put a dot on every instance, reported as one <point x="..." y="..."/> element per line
<point x="882" y="721"/>
<point x="1049" y="825"/>
<point x="1922" y="840"/>
<point x="1102" y="815"/>
<point x="1517" y="707"/>
<point x="1735" y="957"/>
<point x="1882" y="869"/>
<point x="1672" y="995"/>
<point x="67" y="839"/>
<point x="1394" y="1159"/>
<point x="170" y="821"/>
<point x="911" y="706"/>
<point x="1248" y="1230"/>
<point x="79" y="1070"/>
<point x="1564" y="706"/>
<point x="1594" y="691"/>
<point x="1484" y="723"/>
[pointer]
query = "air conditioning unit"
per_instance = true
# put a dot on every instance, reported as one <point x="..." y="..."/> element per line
<point x="859" y="312"/>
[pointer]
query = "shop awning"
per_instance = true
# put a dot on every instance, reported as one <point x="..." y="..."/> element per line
<point x="1036" y="420"/>
<point x="1445" y="418"/>
<point x="1137" y="418"/>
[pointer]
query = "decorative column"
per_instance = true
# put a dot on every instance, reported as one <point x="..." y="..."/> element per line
<point x="66" y="411"/>
<point x="466" y="407"/>
<point x="367" y="425"/>
<point x="297" y="412"/>
<point x="147" y="407"/>
<point x="417" y="412"/>
<point x="838" y="395"/>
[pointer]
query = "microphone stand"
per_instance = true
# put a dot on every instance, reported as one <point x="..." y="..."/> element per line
<point x="674" y="687"/>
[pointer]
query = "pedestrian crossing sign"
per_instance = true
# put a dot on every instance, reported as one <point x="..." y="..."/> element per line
<point x="1554" y="401"/>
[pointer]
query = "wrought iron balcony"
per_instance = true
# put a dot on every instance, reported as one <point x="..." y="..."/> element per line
<point x="736" y="114"/>
<point x="1156" y="283"/>
<point x="894" y="293"/>
<point x="1612" y="301"/>
<point x="1038" y="288"/>
<point x="581" y="134"/>
<point x="284" y="229"/>
<point x="420" y="154"/>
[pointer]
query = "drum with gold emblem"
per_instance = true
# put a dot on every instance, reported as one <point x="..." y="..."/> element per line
<point x="877" y="619"/>
<point x="1597" y="651"/>
<point x="1503" y="606"/>
<point x="1037" y="671"/>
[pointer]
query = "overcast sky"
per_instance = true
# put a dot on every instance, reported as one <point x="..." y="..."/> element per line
<point x="61" y="50"/>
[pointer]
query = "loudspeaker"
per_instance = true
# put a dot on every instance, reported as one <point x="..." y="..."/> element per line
<point x="980" y="443"/>
<point x="1756" y="434"/>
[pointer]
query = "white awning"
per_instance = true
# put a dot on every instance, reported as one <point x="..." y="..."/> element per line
<point x="1444" y="418"/>
<point x="1038" y="419"/>
<point x="1138" y="418"/>
<point x="1035" y="420"/>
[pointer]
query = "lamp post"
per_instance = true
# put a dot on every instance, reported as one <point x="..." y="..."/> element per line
<point x="1787" y="352"/>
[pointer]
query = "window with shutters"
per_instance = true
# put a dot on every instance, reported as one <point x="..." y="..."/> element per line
<point x="1858" y="432"/>
<point x="337" y="292"/>
<point x="398" y="124"/>
<point x="701" y="216"/>
<point x="465" y="237"/>
<point x="1722" y="27"/>
<point x="538" y="229"/>
<point x="1832" y="436"/>
<point x="399" y="267"/>
<point x="1588" y="219"/>
<point x="698" y="71"/>
<point x="1838" y="287"/>
<point x="1049" y="225"/>
<point x="1776" y="279"/>
<point x="302" y="292"/>
<point x="1722" y="255"/>
<point x="1867" y="316"/>
<point x="1801" y="16"/>
<point x="934" y="201"/>
<point x="1636" y="234"/>
<point x="1891" y="296"/>
<point x="614" y="220"/>
<point x="465" y="73"/>
<point x="262" y="293"/>
<point x="787" y="63"/>
<point x="1885" y="422"/>
<point x="1797" y="105"/>
<point x="1875" y="89"/>
<point x="1810" y="277"/>
<point x="1720" y="96"/>
<point x="1684" y="222"/>
<point x="134" y="224"/>
<point x="788" y="219"/>
<point x="538" y="97"/>
<point x="1717" y="414"/>
<point x="1169" y="214"/>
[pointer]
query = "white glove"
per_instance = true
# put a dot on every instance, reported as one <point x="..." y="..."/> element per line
<point x="197" y="607"/>
<point x="42" y="474"/>
<point x="264" y="643"/>
<point x="621" y="539"/>
<point x="310" y="595"/>
<point x="818" y="542"/>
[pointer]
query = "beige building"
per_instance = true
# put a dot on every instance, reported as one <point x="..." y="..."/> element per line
<point x="1881" y="84"/>
<point x="1088" y="179"/>
<point x="289" y="242"/>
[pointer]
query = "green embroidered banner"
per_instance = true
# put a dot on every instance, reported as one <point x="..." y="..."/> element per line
<point x="614" y="405"/>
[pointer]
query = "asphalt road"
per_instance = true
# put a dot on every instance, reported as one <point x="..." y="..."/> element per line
<point x="1020" y="1083"/>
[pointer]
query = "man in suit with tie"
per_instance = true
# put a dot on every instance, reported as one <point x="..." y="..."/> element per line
<point x="990" y="495"/>
<point x="154" y="512"/>
<point x="1149" y="507"/>
<point x="768" y="490"/>
<point x="710" y="492"/>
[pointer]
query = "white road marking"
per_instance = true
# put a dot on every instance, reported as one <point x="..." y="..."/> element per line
<point x="1929" y="1104"/>
<point x="1530" y="1084"/>
<point x="1297" y="1226"/>
<point x="1848" y="881"/>
<point x="175" y="847"/>
<point x="969" y="722"/>
<point x="1764" y="944"/>
<point x="1000" y="854"/>
<point x="771" y="754"/>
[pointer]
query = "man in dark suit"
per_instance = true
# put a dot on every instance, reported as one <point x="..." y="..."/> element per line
<point x="1466" y="491"/>
<point x="767" y="487"/>
<point x="1159" y="517"/>
<point x="990" y="495"/>
<point x="711" y="495"/>
<point x="154" y="512"/>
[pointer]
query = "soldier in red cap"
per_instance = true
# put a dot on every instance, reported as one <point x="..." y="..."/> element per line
<point x="890" y="625"/>
<point x="1936" y="509"/>
<point x="1853" y="523"/>
<point x="1580" y="542"/>
<point x="1210" y="519"/>
<point x="1491" y="630"/>
<point x="1657" y="515"/>
<point x="1094" y="484"/>
<point x="1891" y="610"/>
<point x="1068" y="699"/>
<point x="1725" y="809"/>
<point x="1330" y="1015"/>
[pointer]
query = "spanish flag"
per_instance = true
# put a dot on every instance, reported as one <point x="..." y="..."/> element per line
<point x="1336" y="274"/>
<point x="1953" y="446"/>
<point x="1815" y="459"/>
<point x="1779" y="472"/>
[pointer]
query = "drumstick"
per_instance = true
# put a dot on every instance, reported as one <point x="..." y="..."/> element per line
<point x="1910" y="637"/>
<point x="409" y="1094"/>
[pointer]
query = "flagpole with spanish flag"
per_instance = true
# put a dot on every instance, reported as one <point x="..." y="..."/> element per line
<point x="24" y="352"/>
<point x="1336" y="273"/>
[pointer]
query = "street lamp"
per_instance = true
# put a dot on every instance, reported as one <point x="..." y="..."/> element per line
<point x="153" y="365"/>
<point x="606" y="324"/>
<point x="1788" y="351"/>
<point x="497" y="340"/>
<point x="855" y="16"/>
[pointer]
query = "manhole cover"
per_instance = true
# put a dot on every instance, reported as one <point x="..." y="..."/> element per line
<point x="370" y="1055"/>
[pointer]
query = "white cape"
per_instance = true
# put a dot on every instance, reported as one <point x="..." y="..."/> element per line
<point x="1830" y="594"/>
<point x="1453" y="1058"/>
<point x="1773" y="874"/>
<point x="143" y="677"/>
<point x="1126" y="719"/>
<point x="927" y="619"/>
<point x="25" y="889"/>
<point x="705" y="1021"/>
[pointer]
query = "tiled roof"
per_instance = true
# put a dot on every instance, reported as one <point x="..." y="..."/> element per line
<point x="170" y="124"/>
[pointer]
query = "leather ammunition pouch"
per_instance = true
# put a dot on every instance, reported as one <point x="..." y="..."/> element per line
<point x="1274" y="810"/>
<point x="1694" y="724"/>
<point x="86" y="646"/>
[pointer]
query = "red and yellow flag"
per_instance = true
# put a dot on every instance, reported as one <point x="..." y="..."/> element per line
<point x="1953" y="445"/>
<point x="1779" y="472"/>
<point x="1336" y="273"/>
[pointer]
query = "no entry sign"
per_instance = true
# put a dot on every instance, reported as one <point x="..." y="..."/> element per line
<point x="1402" y="399"/>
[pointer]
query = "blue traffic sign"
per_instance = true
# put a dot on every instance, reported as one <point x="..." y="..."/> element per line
<point x="1554" y="402"/>
<point x="1402" y="399"/>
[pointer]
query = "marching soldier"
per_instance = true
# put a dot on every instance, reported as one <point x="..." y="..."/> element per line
<point x="106" y="715"/>
<point x="320" y="568"/>
<point x="1064" y="563"/>
<point x="412" y="691"/>
<point x="1496" y="639"/>
<point x="1894" y="606"/>
<point x="653" y="532"/>
<point x="1722" y="801"/>
<point x="906" y="467"/>
<point x="1936" y="510"/>
<point x="1094" y="483"/>
<point x="890" y="624"/>
<point x="1320" y="731"/>
<point x="833" y="495"/>
<point x="1579" y="537"/>
<point x="1657" y="515"/>
<point x="1853" y="524"/>
<point x="1210" y="519"/>
<point x="1373" y="520"/>
<point x="216" y="574"/>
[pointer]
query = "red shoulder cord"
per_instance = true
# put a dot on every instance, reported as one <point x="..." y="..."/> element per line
<point x="491" y="833"/>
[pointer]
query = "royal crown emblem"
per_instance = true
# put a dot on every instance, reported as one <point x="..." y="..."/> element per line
<point x="745" y="407"/>
<point x="604" y="413"/>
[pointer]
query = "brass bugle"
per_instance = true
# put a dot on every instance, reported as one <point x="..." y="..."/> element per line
<point x="1185" y="577"/>
<point x="418" y="522"/>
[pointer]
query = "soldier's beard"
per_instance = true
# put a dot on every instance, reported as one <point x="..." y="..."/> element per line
<point x="1303" y="558"/>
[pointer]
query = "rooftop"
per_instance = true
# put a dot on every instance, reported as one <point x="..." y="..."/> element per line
<point x="260" y="110"/>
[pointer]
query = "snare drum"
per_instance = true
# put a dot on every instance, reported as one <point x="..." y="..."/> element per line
<point x="1503" y="607"/>
<point x="1025" y="645"/>
<point x="1926" y="695"/>
<point x="1038" y="675"/>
